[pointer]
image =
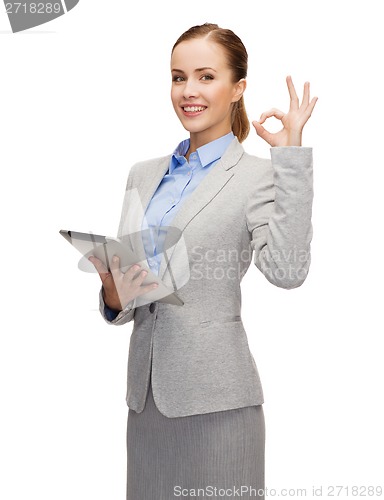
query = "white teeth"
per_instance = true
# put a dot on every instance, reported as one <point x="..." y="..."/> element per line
<point x="193" y="109"/>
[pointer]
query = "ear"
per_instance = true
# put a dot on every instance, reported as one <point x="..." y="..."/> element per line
<point x="240" y="87"/>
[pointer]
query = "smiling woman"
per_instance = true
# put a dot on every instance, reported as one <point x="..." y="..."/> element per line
<point x="195" y="398"/>
<point x="208" y="97"/>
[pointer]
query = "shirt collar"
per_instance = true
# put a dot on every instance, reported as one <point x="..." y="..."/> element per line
<point x="207" y="154"/>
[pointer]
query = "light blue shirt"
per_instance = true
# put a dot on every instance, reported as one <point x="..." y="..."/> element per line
<point x="181" y="179"/>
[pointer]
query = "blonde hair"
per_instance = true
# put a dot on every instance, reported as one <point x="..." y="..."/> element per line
<point x="237" y="57"/>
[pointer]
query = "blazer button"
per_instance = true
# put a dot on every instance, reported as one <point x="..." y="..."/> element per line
<point x="152" y="307"/>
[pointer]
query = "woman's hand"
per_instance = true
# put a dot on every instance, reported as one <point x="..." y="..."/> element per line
<point x="120" y="288"/>
<point x="293" y="122"/>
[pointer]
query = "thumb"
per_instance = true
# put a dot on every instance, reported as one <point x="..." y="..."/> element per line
<point x="261" y="132"/>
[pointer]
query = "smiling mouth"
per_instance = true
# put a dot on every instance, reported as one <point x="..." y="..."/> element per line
<point x="193" y="110"/>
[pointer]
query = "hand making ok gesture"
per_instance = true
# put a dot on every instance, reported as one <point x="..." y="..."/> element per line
<point x="293" y="121"/>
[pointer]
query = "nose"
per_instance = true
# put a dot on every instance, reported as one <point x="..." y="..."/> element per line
<point x="190" y="91"/>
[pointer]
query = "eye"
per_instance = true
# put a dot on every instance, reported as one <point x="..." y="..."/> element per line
<point x="177" y="78"/>
<point x="207" y="77"/>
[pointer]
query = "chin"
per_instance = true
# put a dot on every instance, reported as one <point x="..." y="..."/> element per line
<point x="193" y="128"/>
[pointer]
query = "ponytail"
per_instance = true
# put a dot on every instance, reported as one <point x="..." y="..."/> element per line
<point x="240" y="122"/>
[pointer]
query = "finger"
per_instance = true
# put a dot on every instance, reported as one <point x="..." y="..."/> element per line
<point x="138" y="280"/>
<point x="100" y="268"/>
<point x="292" y="93"/>
<point x="147" y="288"/>
<point x="305" y="101"/>
<point x="132" y="271"/>
<point x="115" y="267"/>
<point x="310" y="107"/>
<point x="261" y="132"/>
<point x="140" y="277"/>
<point x="308" y="112"/>
<point x="272" y="112"/>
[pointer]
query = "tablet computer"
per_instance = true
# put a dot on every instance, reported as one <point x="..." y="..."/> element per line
<point x="104" y="248"/>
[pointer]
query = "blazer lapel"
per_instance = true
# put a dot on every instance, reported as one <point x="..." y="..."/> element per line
<point x="208" y="188"/>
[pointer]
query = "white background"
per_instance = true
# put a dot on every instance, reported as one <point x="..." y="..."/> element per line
<point x="82" y="99"/>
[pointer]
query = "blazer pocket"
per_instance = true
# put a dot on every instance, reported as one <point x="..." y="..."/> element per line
<point x="225" y="319"/>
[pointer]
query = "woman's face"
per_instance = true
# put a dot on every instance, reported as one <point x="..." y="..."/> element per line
<point x="203" y="90"/>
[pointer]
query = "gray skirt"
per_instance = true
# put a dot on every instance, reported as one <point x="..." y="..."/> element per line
<point x="212" y="455"/>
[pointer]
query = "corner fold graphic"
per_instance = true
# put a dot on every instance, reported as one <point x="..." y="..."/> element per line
<point x="70" y="4"/>
<point x="28" y="14"/>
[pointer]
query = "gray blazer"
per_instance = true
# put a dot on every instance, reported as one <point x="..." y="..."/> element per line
<point x="199" y="352"/>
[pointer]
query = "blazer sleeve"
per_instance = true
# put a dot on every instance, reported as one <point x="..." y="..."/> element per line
<point x="128" y="313"/>
<point x="124" y="316"/>
<point x="279" y="212"/>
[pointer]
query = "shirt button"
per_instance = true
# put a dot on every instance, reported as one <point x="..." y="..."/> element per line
<point x="152" y="307"/>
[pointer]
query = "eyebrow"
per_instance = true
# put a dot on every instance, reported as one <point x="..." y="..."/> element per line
<point x="197" y="70"/>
